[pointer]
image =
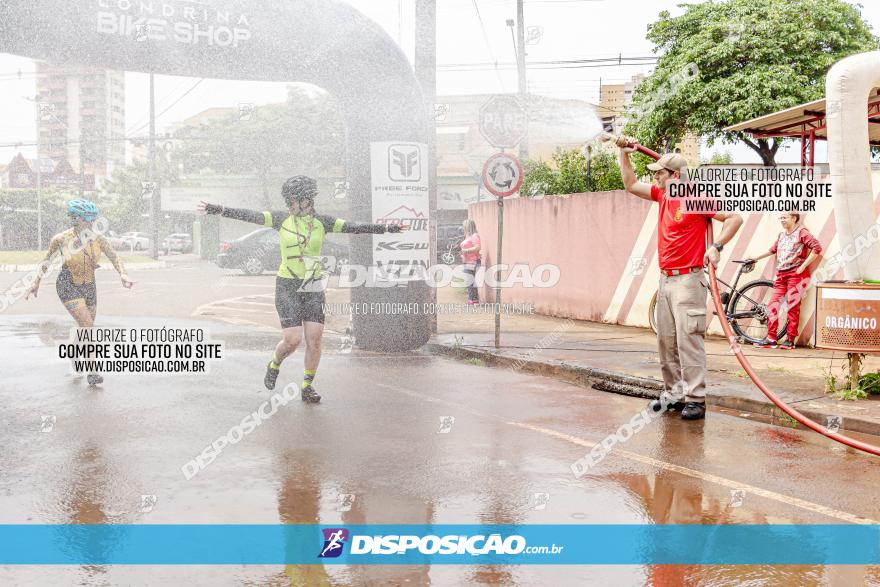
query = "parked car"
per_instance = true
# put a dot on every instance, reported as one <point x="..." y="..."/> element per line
<point x="179" y="242"/>
<point x="114" y="239"/>
<point x="138" y="241"/>
<point x="259" y="251"/>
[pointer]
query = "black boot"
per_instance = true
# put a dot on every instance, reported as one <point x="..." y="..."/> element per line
<point x="694" y="411"/>
<point x="271" y="377"/>
<point x="308" y="394"/>
<point x="657" y="406"/>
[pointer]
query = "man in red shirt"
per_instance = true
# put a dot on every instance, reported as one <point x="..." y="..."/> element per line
<point x="681" y="299"/>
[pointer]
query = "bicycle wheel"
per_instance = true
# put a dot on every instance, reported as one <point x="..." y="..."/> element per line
<point x="747" y="312"/>
<point x="652" y="313"/>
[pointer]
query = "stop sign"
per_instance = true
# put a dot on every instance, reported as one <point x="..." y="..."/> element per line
<point x="503" y="121"/>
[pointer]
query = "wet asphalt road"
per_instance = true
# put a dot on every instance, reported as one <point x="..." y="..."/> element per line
<point x="377" y="439"/>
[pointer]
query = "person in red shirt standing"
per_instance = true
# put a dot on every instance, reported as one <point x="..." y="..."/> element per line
<point x="795" y="249"/>
<point x="681" y="299"/>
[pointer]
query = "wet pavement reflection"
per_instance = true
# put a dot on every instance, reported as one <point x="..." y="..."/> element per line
<point x="409" y="439"/>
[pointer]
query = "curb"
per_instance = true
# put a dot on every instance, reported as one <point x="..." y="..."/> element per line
<point x="643" y="387"/>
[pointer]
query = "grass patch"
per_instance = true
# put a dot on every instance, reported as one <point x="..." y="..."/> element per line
<point x="787" y="420"/>
<point x="34" y="257"/>
<point x="741" y="374"/>
<point x="475" y="361"/>
<point x="839" y="388"/>
<point x="847" y="394"/>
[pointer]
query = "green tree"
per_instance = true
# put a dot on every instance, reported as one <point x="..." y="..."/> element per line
<point x="725" y="62"/>
<point x="724" y="158"/>
<point x="605" y="173"/>
<point x="302" y="135"/>
<point x="538" y="179"/>
<point x="571" y="175"/>
<point x="121" y="199"/>
<point x="568" y="175"/>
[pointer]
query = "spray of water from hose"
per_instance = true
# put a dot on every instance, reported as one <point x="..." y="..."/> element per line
<point x="732" y="339"/>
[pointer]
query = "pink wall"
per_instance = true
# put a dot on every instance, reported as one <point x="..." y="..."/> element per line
<point x="592" y="239"/>
<point x="588" y="236"/>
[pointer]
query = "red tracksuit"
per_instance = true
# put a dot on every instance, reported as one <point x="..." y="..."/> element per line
<point x="791" y="249"/>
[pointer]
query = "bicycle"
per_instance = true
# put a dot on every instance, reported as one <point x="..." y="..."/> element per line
<point x="745" y="309"/>
<point x="452" y="252"/>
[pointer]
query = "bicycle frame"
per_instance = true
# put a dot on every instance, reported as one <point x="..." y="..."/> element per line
<point x="734" y="293"/>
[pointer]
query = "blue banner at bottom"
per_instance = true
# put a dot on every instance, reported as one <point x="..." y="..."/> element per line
<point x="458" y="544"/>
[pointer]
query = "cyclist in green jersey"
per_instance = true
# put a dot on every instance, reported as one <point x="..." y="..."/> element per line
<point x="301" y="234"/>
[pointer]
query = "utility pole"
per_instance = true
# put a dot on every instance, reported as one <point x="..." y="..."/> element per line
<point x="151" y="173"/>
<point x="521" y="68"/>
<point x="426" y="73"/>
<point x="82" y="166"/>
<point x="39" y="181"/>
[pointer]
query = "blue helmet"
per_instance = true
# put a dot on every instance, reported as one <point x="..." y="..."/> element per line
<point x="84" y="209"/>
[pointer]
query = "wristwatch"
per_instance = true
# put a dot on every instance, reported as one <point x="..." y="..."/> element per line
<point x="718" y="246"/>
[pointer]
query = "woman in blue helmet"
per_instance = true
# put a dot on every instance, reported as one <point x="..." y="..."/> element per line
<point x="80" y="247"/>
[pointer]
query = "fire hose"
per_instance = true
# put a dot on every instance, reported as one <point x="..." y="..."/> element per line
<point x="732" y="339"/>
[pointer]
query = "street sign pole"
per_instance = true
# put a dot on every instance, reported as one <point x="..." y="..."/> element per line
<point x="497" y="272"/>
<point x="502" y="175"/>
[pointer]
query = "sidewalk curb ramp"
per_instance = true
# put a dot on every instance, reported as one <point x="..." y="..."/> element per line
<point x="643" y="387"/>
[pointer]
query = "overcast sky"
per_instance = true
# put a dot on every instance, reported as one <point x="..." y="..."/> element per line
<point x="572" y="29"/>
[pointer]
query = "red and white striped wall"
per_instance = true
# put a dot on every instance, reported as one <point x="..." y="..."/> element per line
<point x="605" y="245"/>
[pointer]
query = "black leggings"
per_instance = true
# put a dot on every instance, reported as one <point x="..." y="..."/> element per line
<point x="294" y="306"/>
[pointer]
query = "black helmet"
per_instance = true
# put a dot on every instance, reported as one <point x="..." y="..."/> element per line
<point x="299" y="187"/>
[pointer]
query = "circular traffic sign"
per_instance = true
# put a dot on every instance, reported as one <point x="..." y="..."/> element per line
<point x="502" y="175"/>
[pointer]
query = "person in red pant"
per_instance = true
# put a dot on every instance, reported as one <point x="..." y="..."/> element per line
<point x="795" y="249"/>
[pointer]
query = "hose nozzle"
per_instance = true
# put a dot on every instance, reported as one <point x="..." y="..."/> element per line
<point x="620" y="141"/>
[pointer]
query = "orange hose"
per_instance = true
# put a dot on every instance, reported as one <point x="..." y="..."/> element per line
<point x="731" y="338"/>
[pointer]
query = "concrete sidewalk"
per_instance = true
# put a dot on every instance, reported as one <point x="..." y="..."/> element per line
<point x="624" y="359"/>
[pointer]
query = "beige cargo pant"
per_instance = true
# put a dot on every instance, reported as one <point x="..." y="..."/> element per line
<point x="681" y="328"/>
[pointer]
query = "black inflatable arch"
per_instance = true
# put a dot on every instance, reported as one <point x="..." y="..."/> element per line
<point x="322" y="42"/>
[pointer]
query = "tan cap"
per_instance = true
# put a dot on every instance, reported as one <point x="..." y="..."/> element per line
<point x="670" y="161"/>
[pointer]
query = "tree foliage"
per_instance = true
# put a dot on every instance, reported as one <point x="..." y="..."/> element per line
<point x="568" y="174"/>
<point x="300" y="136"/>
<point x="121" y="198"/>
<point x="752" y="57"/>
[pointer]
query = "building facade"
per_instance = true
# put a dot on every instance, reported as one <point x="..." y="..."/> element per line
<point x="82" y="117"/>
<point x="615" y="98"/>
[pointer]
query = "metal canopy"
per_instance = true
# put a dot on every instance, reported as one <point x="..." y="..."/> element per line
<point x="807" y="123"/>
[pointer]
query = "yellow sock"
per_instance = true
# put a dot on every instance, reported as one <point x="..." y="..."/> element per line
<point x="308" y="377"/>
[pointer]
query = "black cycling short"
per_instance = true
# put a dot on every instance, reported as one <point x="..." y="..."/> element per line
<point x="69" y="291"/>
<point x="294" y="306"/>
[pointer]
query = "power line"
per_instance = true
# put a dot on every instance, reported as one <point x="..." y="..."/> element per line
<point x="613" y="60"/>
<point x="170" y="106"/>
<point x="145" y="119"/>
<point x="488" y="45"/>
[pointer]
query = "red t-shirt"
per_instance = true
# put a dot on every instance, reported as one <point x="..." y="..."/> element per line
<point x="681" y="239"/>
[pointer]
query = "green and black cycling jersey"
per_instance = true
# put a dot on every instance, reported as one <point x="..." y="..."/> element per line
<point x="301" y="237"/>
